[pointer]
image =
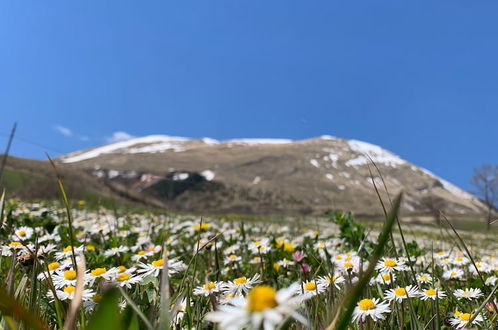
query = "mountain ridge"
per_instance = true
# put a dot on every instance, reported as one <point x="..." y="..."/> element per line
<point x="306" y="176"/>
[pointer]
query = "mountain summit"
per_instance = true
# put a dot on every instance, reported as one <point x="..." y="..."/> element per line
<point x="268" y="175"/>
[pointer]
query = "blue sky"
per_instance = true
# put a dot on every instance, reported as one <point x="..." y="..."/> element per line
<point x="419" y="78"/>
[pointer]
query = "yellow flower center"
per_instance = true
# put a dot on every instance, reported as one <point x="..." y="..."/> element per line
<point x="309" y="286"/>
<point x="151" y="249"/>
<point x="70" y="275"/>
<point x="232" y="257"/>
<point x="257" y="243"/>
<point x="453" y="274"/>
<point x="240" y="280"/>
<point x="466" y="292"/>
<point x="260" y="298"/>
<point x="22" y="233"/>
<point x="13" y="244"/>
<point x="90" y="247"/>
<point x="348" y="265"/>
<point x="141" y="253"/>
<point x="98" y="271"/>
<point x="68" y="248"/>
<point x="280" y="244"/>
<point x="424" y="278"/>
<point x="97" y="298"/>
<point x="158" y="263"/>
<point x="209" y="286"/>
<point x="338" y="257"/>
<point x="69" y="289"/>
<point x="123" y="277"/>
<point x="400" y="291"/>
<point x="390" y="263"/>
<point x="347" y="259"/>
<point x="465" y="316"/>
<point x="386" y="277"/>
<point x="53" y="266"/>
<point x="366" y="304"/>
<point x="121" y="269"/>
<point x="459" y="258"/>
<point x="430" y="292"/>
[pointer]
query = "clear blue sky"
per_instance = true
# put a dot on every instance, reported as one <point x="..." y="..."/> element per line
<point x="419" y="78"/>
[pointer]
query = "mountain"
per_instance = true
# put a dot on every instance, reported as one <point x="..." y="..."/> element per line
<point x="267" y="176"/>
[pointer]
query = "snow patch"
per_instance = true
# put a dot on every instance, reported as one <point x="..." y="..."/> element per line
<point x="449" y="186"/>
<point x="315" y="163"/>
<point x="180" y="176"/>
<point x="341" y="187"/>
<point x="164" y="141"/>
<point x="208" y="175"/>
<point x="376" y="153"/>
<point x="256" y="180"/>
<point x="259" y="141"/>
<point x="329" y="176"/>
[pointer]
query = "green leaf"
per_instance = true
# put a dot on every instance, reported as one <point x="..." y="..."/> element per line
<point x="107" y="315"/>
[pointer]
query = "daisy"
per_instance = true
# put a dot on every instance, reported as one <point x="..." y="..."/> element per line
<point x="387" y="265"/>
<point x="481" y="266"/>
<point x="52" y="268"/>
<point x="259" y="246"/>
<point x="68" y="294"/>
<point x="469" y="294"/>
<point x="311" y="288"/>
<point x="208" y="288"/>
<point x="68" y="252"/>
<point x="399" y="294"/>
<point x="98" y="273"/>
<point x="64" y="278"/>
<point x="372" y="308"/>
<point x="385" y="278"/>
<point x="240" y="285"/>
<point x="126" y="279"/>
<point x="432" y="294"/>
<point x="285" y="263"/>
<point x="461" y="320"/>
<point x="491" y="280"/>
<point x="424" y="278"/>
<point x="263" y="308"/>
<point x="174" y="266"/>
<point x="453" y="274"/>
<point x="460" y="261"/>
<point x="326" y="281"/>
<point x="115" y="251"/>
<point x="22" y="233"/>
<point x="231" y="259"/>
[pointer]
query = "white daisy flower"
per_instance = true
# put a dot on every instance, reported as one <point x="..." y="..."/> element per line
<point x="453" y="274"/>
<point x="461" y="320"/>
<point x="285" y="263"/>
<point x="231" y="259"/>
<point x="385" y="278"/>
<point x="115" y="251"/>
<point x="64" y="278"/>
<point x="432" y="294"/>
<point x="240" y="285"/>
<point x="401" y="293"/>
<point x="154" y="268"/>
<point x="208" y="288"/>
<point x="260" y="246"/>
<point x="311" y="288"/>
<point x="424" y="278"/>
<point x="469" y="294"/>
<point x="263" y="308"/>
<point x="23" y="233"/>
<point x="388" y="265"/>
<point x="68" y="294"/>
<point x="329" y="279"/>
<point x="370" y="308"/>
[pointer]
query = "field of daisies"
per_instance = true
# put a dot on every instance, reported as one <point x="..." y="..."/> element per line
<point x="106" y="269"/>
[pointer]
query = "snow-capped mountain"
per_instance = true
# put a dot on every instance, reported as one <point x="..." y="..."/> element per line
<point x="268" y="175"/>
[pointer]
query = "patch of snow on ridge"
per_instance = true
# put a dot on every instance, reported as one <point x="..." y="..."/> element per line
<point x="180" y="176"/>
<point x="449" y="186"/>
<point x="208" y="175"/>
<point x="113" y="147"/>
<point x="256" y="180"/>
<point x="376" y="153"/>
<point x="329" y="176"/>
<point x="315" y="163"/>
<point x="260" y="141"/>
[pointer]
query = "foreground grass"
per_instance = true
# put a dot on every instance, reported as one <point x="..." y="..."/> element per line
<point x="125" y="270"/>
